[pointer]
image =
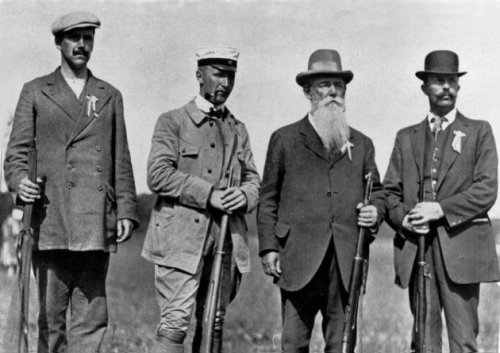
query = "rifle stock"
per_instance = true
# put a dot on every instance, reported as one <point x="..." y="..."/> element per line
<point x="16" y="333"/>
<point x="213" y="294"/>
<point x="358" y="275"/>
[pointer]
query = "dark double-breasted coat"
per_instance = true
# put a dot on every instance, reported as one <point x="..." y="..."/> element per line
<point x="307" y="198"/>
<point x="466" y="190"/>
<point x="83" y="159"/>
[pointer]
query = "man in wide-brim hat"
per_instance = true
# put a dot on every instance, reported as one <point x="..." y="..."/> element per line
<point x="309" y="208"/>
<point x="454" y="160"/>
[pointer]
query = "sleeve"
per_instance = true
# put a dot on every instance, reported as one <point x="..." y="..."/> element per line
<point x="126" y="197"/>
<point x="163" y="177"/>
<point x="250" y="179"/>
<point x="393" y="184"/>
<point x="480" y="196"/>
<point x="378" y="192"/>
<point x="267" y="211"/>
<point x="21" y="136"/>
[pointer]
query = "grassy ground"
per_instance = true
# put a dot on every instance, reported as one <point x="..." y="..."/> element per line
<point x="253" y="323"/>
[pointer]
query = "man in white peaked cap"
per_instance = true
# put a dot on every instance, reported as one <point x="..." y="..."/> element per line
<point x="193" y="149"/>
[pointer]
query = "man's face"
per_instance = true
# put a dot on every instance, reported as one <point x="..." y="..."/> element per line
<point x="215" y="85"/>
<point x="442" y="91"/>
<point x="324" y="91"/>
<point x="76" y="47"/>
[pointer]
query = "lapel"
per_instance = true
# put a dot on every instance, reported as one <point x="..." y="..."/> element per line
<point x="418" y="145"/>
<point x="449" y="154"/>
<point x="58" y="91"/>
<point x="311" y="139"/>
<point x="195" y="113"/>
<point x="94" y="88"/>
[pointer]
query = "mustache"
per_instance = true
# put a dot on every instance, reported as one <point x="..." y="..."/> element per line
<point x="80" y="51"/>
<point x="446" y="94"/>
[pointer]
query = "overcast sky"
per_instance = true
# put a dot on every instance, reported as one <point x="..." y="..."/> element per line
<point x="146" y="49"/>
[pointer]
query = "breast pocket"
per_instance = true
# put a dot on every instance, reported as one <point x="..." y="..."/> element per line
<point x="188" y="160"/>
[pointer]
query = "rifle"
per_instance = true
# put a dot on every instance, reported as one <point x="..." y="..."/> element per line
<point x="358" y="279"/>
<point x="422" y="287"/>
<point x="16" y="333"/>
<point x="214" y="286"/>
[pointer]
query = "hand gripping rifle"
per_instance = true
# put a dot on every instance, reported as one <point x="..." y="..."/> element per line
<point x="213" y="294"/>
<point x="358" y="280"/>
<point x="16" y="334"/>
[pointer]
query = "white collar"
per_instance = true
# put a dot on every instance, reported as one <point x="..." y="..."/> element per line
<point x="205" y="105"/>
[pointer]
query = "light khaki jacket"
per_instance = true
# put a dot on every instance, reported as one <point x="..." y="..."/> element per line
<point x="185" y="162"/>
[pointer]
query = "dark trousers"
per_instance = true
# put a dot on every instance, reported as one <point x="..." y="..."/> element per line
<point x="74" y="280"/>
<point x="459" y="302"/>
<point x="325" y="293"/>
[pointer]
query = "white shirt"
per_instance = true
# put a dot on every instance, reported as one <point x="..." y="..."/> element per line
<point x="450" y="117"/>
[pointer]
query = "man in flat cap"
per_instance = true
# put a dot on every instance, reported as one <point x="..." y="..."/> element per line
<point x="310" y="206"/>
<point x="451" y="162"/>
<point x="84" y="193"/>
<point x="193" y="150"/>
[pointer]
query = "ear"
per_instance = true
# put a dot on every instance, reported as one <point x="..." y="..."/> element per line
<point x="424" y="89"/>
<point x="307" y="91"/>
<point x="199" y="76"/>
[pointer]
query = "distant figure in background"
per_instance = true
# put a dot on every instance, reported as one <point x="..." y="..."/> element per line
<point x="85" y="193"/>
<point x="11" y="227"/>
<point x="456" y="159"/>
<point x="192" y="150"/>
<point x="310" y="206"/>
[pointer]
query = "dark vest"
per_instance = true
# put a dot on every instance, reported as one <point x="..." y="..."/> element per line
<point x="432" y="160"/>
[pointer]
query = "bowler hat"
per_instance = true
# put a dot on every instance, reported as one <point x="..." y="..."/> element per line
<point x="444" y="62"/>
<point x="80" y="19"/>
<point x="324" y="62"/>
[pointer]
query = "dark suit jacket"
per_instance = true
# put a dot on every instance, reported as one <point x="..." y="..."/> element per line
<point x="306" y="198"/>
<point x="466" y="190"/>
<point x="83" y="159"/>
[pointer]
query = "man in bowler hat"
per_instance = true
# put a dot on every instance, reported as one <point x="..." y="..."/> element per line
<point x="310" y="206"/>
<point x="193" y="150"/>
<point x="454" y="160"/>
<point x="84" y="195"/>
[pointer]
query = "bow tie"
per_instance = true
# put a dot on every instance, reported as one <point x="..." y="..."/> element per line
<point x="216" y="113"/>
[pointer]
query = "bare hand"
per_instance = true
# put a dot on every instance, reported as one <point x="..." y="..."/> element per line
<point x="233" y="199"/>
<point x="29" y="191"/>
<point x="271" y="264"/>
<point x="125" y="227"/>
<point x="367" y="216"/>
<point x="424" y="213"/>
<point x="420" y="229"/>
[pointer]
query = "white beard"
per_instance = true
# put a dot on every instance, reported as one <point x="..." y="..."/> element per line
<point x="331" y="122"/>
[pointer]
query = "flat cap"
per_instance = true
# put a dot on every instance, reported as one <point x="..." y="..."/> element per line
<point x="80" y="19"/>
<point x="222" y="58"/>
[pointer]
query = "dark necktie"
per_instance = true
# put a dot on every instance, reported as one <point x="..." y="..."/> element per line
<point x="437" y="127"/>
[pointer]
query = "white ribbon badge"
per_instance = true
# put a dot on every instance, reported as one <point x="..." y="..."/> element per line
<point x="92" y="100"/>
<point x="347" y="146"/>
<point x="457" y="141"/>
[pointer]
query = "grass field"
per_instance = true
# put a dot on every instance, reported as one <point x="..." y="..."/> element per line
<point x="253" y="323"/>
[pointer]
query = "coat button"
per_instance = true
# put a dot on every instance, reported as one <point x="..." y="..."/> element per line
<point x="98" y="148"/>
<point x="197" y="220"/>
<point x="329" y="193"/>
<point x="212" y="145"/>
<point x="69" y="166"/>
<point x="100" y="188"/>
<point x="99" y="169"/>
<point x="211" y="123"/>
<point x="69" y="185"/>
<point x="209" y="171"/>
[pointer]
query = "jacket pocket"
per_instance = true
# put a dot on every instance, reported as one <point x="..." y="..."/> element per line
<point x="187" y="149"/>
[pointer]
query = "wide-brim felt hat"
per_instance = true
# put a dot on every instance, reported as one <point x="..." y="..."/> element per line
<point x="440" y="62"/>
<point x="324" y="62"/>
